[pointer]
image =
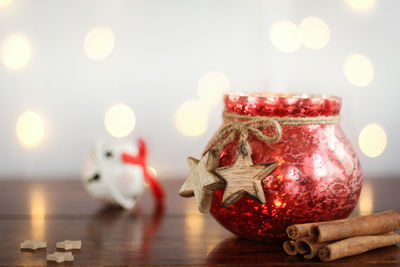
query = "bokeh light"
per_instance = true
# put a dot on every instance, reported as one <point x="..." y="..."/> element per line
<point x="372" y="140"/>
<point x="211" y="87"/>
<point x="152" y="170"/>
<point x="38" y="213"/>
<point x="361" y="4"/>
<point x="6" y="3"/>
<point x="99" y="43"/>
<point x="191" y="118"/>
<point x="30" y="129"/>
<point x="194" y="224"/>
<point x="285" y="36"/>
<point x="119" y="120"/>
<point x="16" y="52"/>
<point x="366" y="202"/>
<point x="359" y="70"/>
<point x="315" y="33"/>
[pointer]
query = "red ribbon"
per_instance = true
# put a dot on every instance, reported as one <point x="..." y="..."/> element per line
<point x="141" y="159"/>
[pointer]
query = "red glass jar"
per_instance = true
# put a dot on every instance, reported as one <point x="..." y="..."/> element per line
<point x="318" y="177"/>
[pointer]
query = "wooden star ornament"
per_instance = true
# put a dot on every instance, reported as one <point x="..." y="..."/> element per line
<point x="244" y="177"/>
<point x="32" y="244"/>
<point x="202" y="181"/>
<point x="60" y="257"/>
<point x="69" y="244"/>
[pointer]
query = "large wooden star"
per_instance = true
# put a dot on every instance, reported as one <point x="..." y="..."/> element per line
<point x="202" y="181"/>
<point x="244" y="177"/>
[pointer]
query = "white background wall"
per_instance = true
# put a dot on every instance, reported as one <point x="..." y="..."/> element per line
<point x="161" y="50"/>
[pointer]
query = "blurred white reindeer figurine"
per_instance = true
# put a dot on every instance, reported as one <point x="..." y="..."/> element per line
<point x="116" y="173"/>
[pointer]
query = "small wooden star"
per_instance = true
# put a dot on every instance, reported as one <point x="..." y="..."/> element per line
<point x="32" y="244"/>
<point x="69" y="244"/>
<point x="202" y="181"/>
<point x="60" y="257"/>
<point x="244" y="177"/>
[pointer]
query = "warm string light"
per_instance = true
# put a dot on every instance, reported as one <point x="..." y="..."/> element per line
<point x="285" y="36"/>
<point x="361" y="4"/>
<point x="211" y="87"/>
<point x="119" y="120"/>
<point x="191" y="118"/>
<point x="358" y="70"/>
<point x="99" y="43"/>
<point x="30" y="129"/>
<point x="312" y="33"/>
<point x="6" y="3"/>
<point x="315" y="33"/>
<point x="15" y="52"/>
<point x="372" y="140"/>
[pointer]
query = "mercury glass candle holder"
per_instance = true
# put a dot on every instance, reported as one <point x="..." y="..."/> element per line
<point x="318" y="178"/>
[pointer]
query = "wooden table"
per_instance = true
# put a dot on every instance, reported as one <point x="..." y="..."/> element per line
<point x="179" y="235"/>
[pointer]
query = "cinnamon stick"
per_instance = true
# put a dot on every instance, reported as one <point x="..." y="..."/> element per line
<point x="375" y="224"/>
<point x="297" y="231"/>
<point x="290" y="247"/>
<point x="307" y="247"/>
<point x="356" y="245"/>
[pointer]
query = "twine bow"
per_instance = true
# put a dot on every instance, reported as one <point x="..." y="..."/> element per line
<point x="229" y="131"/>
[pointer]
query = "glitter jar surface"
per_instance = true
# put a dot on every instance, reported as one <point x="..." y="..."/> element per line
<point x="318" y="178"/>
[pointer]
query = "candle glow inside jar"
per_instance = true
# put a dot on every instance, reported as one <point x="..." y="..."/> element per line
<point x="318" y="176"/>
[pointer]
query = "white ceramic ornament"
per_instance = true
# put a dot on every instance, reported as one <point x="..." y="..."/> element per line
<point x="106" y="177"/>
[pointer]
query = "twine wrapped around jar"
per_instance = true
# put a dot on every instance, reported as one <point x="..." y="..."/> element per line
<point x="243" y="124"/>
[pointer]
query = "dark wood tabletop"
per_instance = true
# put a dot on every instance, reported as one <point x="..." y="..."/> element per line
<point x="177" y="235"/>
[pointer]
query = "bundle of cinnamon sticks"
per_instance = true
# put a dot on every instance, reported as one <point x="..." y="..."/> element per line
<point x="337" y="239"/>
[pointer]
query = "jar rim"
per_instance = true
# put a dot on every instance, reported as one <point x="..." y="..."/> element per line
<point x="282" y="104"/>
<point x="283" y="95"/>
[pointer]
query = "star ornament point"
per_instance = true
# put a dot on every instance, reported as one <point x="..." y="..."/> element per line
<point x="187" y="187"/>
<point x="202" y="181"/>
<point x="244" y="177"/>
